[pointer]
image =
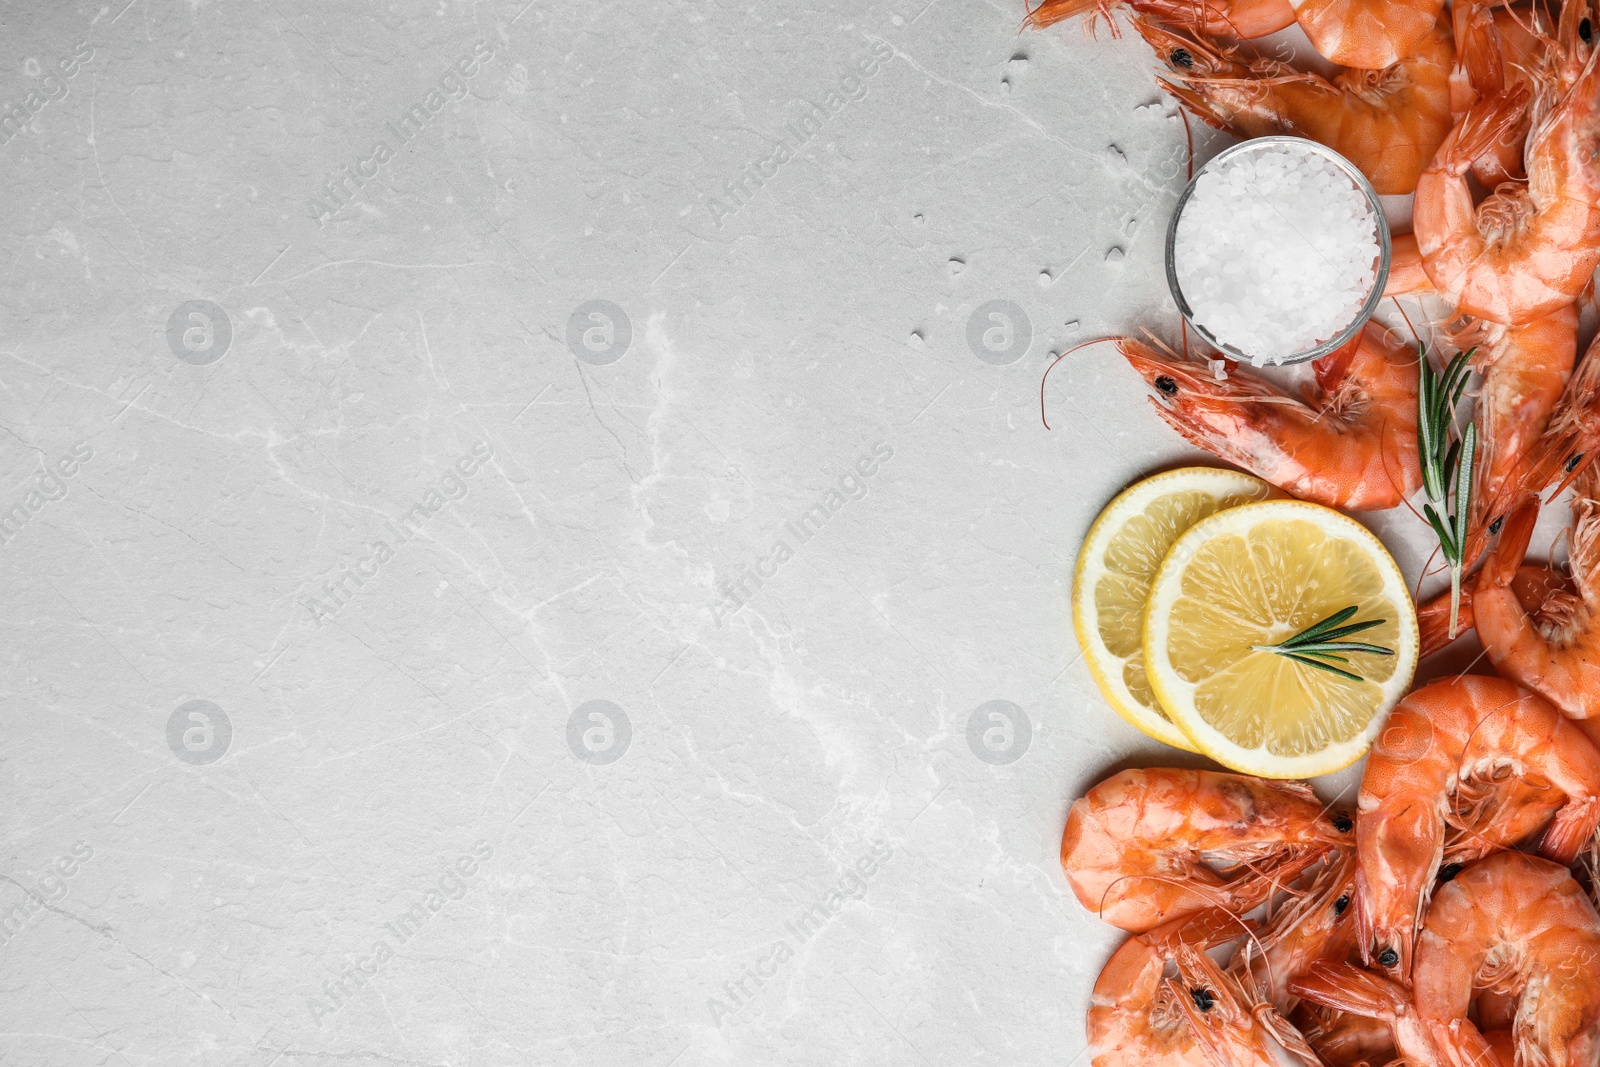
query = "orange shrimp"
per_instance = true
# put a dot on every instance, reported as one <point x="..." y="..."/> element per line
<point x="1526" y="250"/>
<point x="1526" y="369"/>
<point x="1520" y="926"/>
<point x="1381" y="1015"/>
<point x="1219" y="18"/>
<point x="1537" y="589"/>
<point x="1344" y="1039"/>
<point x="1351" y="442"/>
<point x="1496" y="50"/>
<point x="1572" y="435"/>
<point x="1315" y="923"/>
<point x="1371" y="34"/>
<point x="1555" y="648"/>
<point x="1443" y="759"/>
<point x="1135" y="1015"/>
<point x="1344" y="988"/>
<point x="1135" y="846"/>
<point x="1387" y="122"/>
<point x="1525" y="374"/>
<point x="1406" y="274"/>
<point x="1140" y="1018"/>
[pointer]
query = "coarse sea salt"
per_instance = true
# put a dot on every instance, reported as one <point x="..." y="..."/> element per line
<point x="1276" y="251"/>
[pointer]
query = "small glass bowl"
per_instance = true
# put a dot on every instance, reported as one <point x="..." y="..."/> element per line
<point x="1384" y="249"/>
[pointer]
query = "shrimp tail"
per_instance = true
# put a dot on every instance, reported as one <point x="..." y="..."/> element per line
<point x="1484" y="124"/>
<point x="1478" y="53"/>
<point x="1572" y="829"/>
<point x="1347" y="988"/>
<point x="1433" y="619"/>
<point x="1406" y="274"/>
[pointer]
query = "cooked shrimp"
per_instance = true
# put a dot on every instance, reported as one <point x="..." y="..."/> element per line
<point x="1344" y="1039"/>
<point x="1371" y="34"/>
<point x="1525" y="372"/>
<point x="1540" y="590"/>
<point x="1140" y="1018"/>
<point x="1405" y="268"/>
<point x="1553" y="649"/>
<point x="1443" y="759"/>
<point x="1351" y="442"/>
<point x="1520" y="926"/>
<point x="1231" y="1021"/>
<point x="1387" y="122"/>
<point x="1380" y="1016"/>
<point x="1221" y="18"/>
<point x="1135" y="1017"/>
<point x="1572" y="436"/>
<point x="1495" y="51"/>
<point x="1349" y="989"/>
<point x="1314" y="924"/>
<point x="1136" y="846"/>
<point x="1526" y="250"/>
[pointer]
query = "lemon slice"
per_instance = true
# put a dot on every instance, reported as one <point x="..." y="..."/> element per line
<point x="1119" y="558"/>
<point x="1257" y="575"/>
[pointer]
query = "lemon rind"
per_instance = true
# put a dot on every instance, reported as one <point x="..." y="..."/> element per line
<point x="1113" y="689"/>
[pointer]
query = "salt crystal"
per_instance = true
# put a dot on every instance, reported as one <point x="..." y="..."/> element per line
<point x="1276" y="251"/>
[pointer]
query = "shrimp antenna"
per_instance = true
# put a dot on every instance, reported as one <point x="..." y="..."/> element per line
<point x="1188" y="133"/>
<point x="1394" y="483"/>
<point x="1098" y="340"/>
<point x="1427" y="570"/>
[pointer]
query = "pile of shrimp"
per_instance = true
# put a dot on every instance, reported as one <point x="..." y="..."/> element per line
<point x="1488" y="113"/>
<point x="1438" y="923"/>
<point x="1448" y="919"/>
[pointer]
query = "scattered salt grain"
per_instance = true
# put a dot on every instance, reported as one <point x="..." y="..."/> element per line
<point x="1276" y="251"/>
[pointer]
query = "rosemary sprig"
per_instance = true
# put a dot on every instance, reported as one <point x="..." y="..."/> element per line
<point x="1319" y="645"/>
<point x="1447" y="463"/>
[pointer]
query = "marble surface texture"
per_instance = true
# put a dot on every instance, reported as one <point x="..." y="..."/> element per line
<point x="529" y="533"/>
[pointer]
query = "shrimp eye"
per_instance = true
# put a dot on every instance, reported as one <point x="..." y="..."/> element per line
<point x="1585" y="30"/>
<point x="1388" y="957"/>
<point x="1494" y="527"/>
<point x="1341" y="904"/>
<point x="1449" y="871"/>
<point x="1180" y="57"/>
<point x="1572" y="464"/>
<point x="1343" y="823"/>
<point x="1203" y="998"/>
<point x="1167" y="385"/>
